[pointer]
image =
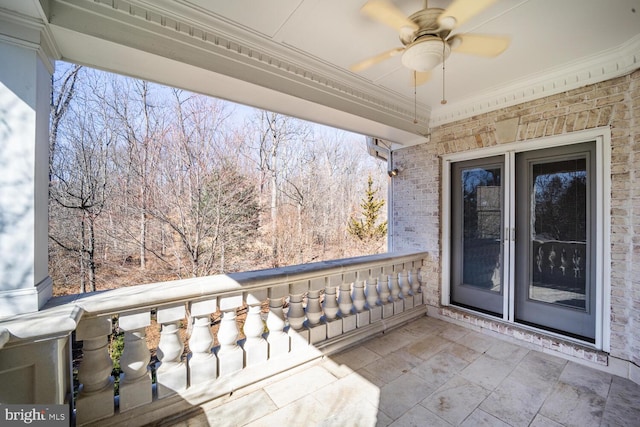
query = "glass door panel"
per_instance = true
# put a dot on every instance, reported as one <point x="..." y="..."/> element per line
<point x="477" y="219"/>
<point x="559" y="233"/>
<point x="555" y="222"/>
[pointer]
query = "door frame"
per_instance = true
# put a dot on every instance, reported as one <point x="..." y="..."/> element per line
<point x="602" y="137"/>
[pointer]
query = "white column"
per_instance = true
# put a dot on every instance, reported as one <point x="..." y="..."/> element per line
<point x="25" y="91"/>
<point x="135" y="380"/>
<point x="171" y="372"/>
<point x="203" y="365"/>
<point x="95" y="399"/>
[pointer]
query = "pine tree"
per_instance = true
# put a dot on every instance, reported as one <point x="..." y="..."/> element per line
<point x="365" y="228"/>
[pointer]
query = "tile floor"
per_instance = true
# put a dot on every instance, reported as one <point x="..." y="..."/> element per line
<point x="432" y="373"/>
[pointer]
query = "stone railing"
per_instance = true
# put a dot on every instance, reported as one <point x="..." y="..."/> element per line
<point x="291" y="316"/>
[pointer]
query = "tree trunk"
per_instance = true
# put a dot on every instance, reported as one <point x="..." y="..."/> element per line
<point x="91" y="252"/>
<point x="83" y="283"/>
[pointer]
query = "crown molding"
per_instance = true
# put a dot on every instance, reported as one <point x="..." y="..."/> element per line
<point x="603" y="66"/>
<point x="177" y="30"/>
<point x="30" y="33"/>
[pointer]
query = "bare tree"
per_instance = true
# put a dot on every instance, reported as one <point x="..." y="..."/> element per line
<point x="276" y="133"/>
<point x="145" y="176"/>
<point x="80" y="168"/>
<point x="207" y="203"/>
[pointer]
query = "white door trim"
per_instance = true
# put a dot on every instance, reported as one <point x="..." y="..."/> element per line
<point x="602" y="136"/>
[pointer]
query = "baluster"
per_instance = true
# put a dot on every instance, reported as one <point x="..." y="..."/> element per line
<point x="346" y="303"/>
<point x="135" y="380"/>
<point x="359" y="298"/>
<point x="256" y="349"/>
<point x="415" y="285"/>
<point x="171" y="372"/>
<point x="203" y="365"/>
<point x="295" y="314"/>
<point x="230" y="355"/>
<point x="278" y="339"/>
<point x="95" y="399"/>
<point x="422" y="280"/>
<point x="313" y="309"/>
<point x="298" y="331"/>
<point x="384" y="294"/>
<point x="317" y="329"/>
<point x="330" y="304"/>
<point x="394" y="287"/>
<point x="405" y="286"/>
<point x="373" y="299"/>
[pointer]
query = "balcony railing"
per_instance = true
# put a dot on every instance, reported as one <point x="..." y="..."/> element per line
<point x="291" y="315"/>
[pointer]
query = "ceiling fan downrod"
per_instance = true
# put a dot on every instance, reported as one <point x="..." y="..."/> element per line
<point x="444" y="101"/>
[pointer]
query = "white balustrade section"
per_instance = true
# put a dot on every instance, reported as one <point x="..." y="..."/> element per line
<point x="329" y="306"/>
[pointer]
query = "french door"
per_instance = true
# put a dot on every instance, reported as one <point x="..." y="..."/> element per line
<point x="477" y="237"/>
<point x="523" y="237"/>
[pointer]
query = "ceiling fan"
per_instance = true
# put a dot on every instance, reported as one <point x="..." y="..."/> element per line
<point x="426" y="35"/>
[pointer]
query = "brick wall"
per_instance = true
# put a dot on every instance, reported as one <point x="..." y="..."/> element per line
<point x="416" y="191"/>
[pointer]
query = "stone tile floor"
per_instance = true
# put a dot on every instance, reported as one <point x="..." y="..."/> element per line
<point x="432" y="373"/>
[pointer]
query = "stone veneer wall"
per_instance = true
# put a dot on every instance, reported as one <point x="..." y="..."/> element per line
<point x="415" y="211"/>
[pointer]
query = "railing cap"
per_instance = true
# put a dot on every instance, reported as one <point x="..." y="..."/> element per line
<point x="61" y="315"/>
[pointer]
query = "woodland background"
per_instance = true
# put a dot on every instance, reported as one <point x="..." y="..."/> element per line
<point x="149" y="183"/>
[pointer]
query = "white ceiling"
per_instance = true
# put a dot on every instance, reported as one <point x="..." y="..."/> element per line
<point x="293" y="56"/>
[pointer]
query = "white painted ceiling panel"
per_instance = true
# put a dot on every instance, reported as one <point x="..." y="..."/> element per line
<point x="265" y="17"/>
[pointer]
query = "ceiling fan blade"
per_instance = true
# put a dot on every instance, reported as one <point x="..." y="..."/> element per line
<point x="461" y="11"/>
<point x="386" y="13"/>
<point x="363" y="65"/>
<point x="418" y="78"/>
<point x="481" y="44"/>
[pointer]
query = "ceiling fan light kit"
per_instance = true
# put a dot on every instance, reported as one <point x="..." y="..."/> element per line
<point x="425" y="54"/>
